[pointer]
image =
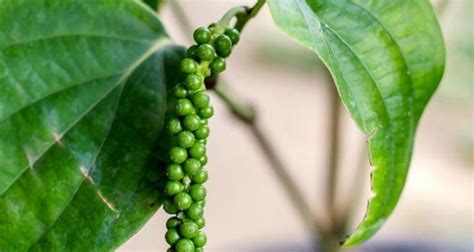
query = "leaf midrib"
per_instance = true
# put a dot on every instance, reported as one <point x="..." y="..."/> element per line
<point x="411" y="94"/>
<point x="160" y="43"/>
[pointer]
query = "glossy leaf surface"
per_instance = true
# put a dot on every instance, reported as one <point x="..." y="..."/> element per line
<point x="387" y="59"/>
<point x="82" y="103"/>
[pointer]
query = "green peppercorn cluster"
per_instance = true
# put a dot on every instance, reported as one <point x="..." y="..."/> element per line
<point x="188" y="129"/>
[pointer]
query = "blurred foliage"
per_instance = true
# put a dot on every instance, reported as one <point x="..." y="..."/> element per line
<point x="457" y="85"/>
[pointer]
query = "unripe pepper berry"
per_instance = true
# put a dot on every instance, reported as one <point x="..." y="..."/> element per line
<point x="172" y="236"/>
<point x="223" y="43"/>
<point x="184" y="107"/>
<point x="169" y="207"/>
<point x="192" y="122"/>
<point x="180" y="91"/>
<point x="197" y="192"/>
<point x="185" y="245"/>
<point x="207" y="112"/>
<point x="200" y="223"/>
<point x="182" y="201"/>
<point x="203" y="132"/>
<point x="192" y="52"/>
<point x="197" y="150"/>
<point x="195" y="212"/>
<point x="206" y="52"/>
<point x="173" y="187"/>
<point x="233" y="34"/>
<point x="178" y="155"/>
<point x="194" y="82"/>
<point x="201" y="99"/>
<point x="200" y="240"/>
<point x="174" y="126"/>
<point x="191" y="166"/>
<point x="201" y="177"/>
<point x="172" y="222"/>
<point x="174" y="172"/>
<point x="189" y="229"/>
<point x="186" y="139"/>
<point x="202" y="35"/>
<point x="189" y="66"/>
<point x="218" y="65"/>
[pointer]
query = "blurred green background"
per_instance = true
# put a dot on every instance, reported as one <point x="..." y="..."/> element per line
<point x="247" y="209"/>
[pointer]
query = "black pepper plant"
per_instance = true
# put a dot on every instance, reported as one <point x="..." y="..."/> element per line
<point x="104" y="119"/>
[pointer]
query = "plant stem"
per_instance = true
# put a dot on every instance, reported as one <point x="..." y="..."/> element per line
<point x="333" y="162"/>
<point x="236" y="11"/>
<point x="246" y="114"/>
<point x="242" y="20"/>
<point x="356" y="186"/>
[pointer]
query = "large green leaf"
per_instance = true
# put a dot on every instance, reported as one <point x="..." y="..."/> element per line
<point x="82" y="102"/>
<point x="387" y="58"/>
<point x="154" y="4"/>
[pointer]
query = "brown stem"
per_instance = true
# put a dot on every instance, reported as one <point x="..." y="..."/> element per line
<point x="333" y="162"/>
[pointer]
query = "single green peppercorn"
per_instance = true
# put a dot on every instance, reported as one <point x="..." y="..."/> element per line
<point x="200" y="223"/>
<point x="184" y="245"/>
<point x="197" y="192"/>
<point x="169" y="207"/>
<point x="201" y="177"/>
<point x="225" y="54"/>
<point x="180" y="91"/>
<point x="202" y="133"/>
<point x="197" y="150"/>
<point x="195" y="212"/>
<point x="192" y="122"/>
<point x="203" y="160"/>
<point x="172" y="236"/>
<point x="206" y="52"/>
<point x="174" y="126"/>
<point x="202" y="203"/>
<point x="172" y="222"/>
<point x="198" y="250"/>
<point x="188" y="229"/>
<point x="192" y="52"/>
<point x="200" y="239"/>
<point x="233" y="34"/>
<point x="222" y="43"/>
<point x="182" y="201"/>
<point x="189" y="66"/>
<point x="173" y="187"/>
<point x="201" y="99"/>
<point x="186" y="139"/>
<point x="193" y="82"/>
<point x="184" y="107"/>
<point x="202" y="35"/>
<point x="206" y="112"/>
<point x="175" y="172"/>
<point x="191" y="166"/>
<point x="178" y="155"/>
<point x="218" y="65"/>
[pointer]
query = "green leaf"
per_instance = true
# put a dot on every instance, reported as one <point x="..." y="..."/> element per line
<point x="82" y="103"/>
<point x="387" y="59"/>
<point x="154" y="4"/>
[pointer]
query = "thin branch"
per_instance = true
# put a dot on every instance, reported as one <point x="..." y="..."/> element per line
<point x="334" y="154"/>
<point x="246" y="114"/>
<point x="356" y="185"/>
<point x="242" y="20"/>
